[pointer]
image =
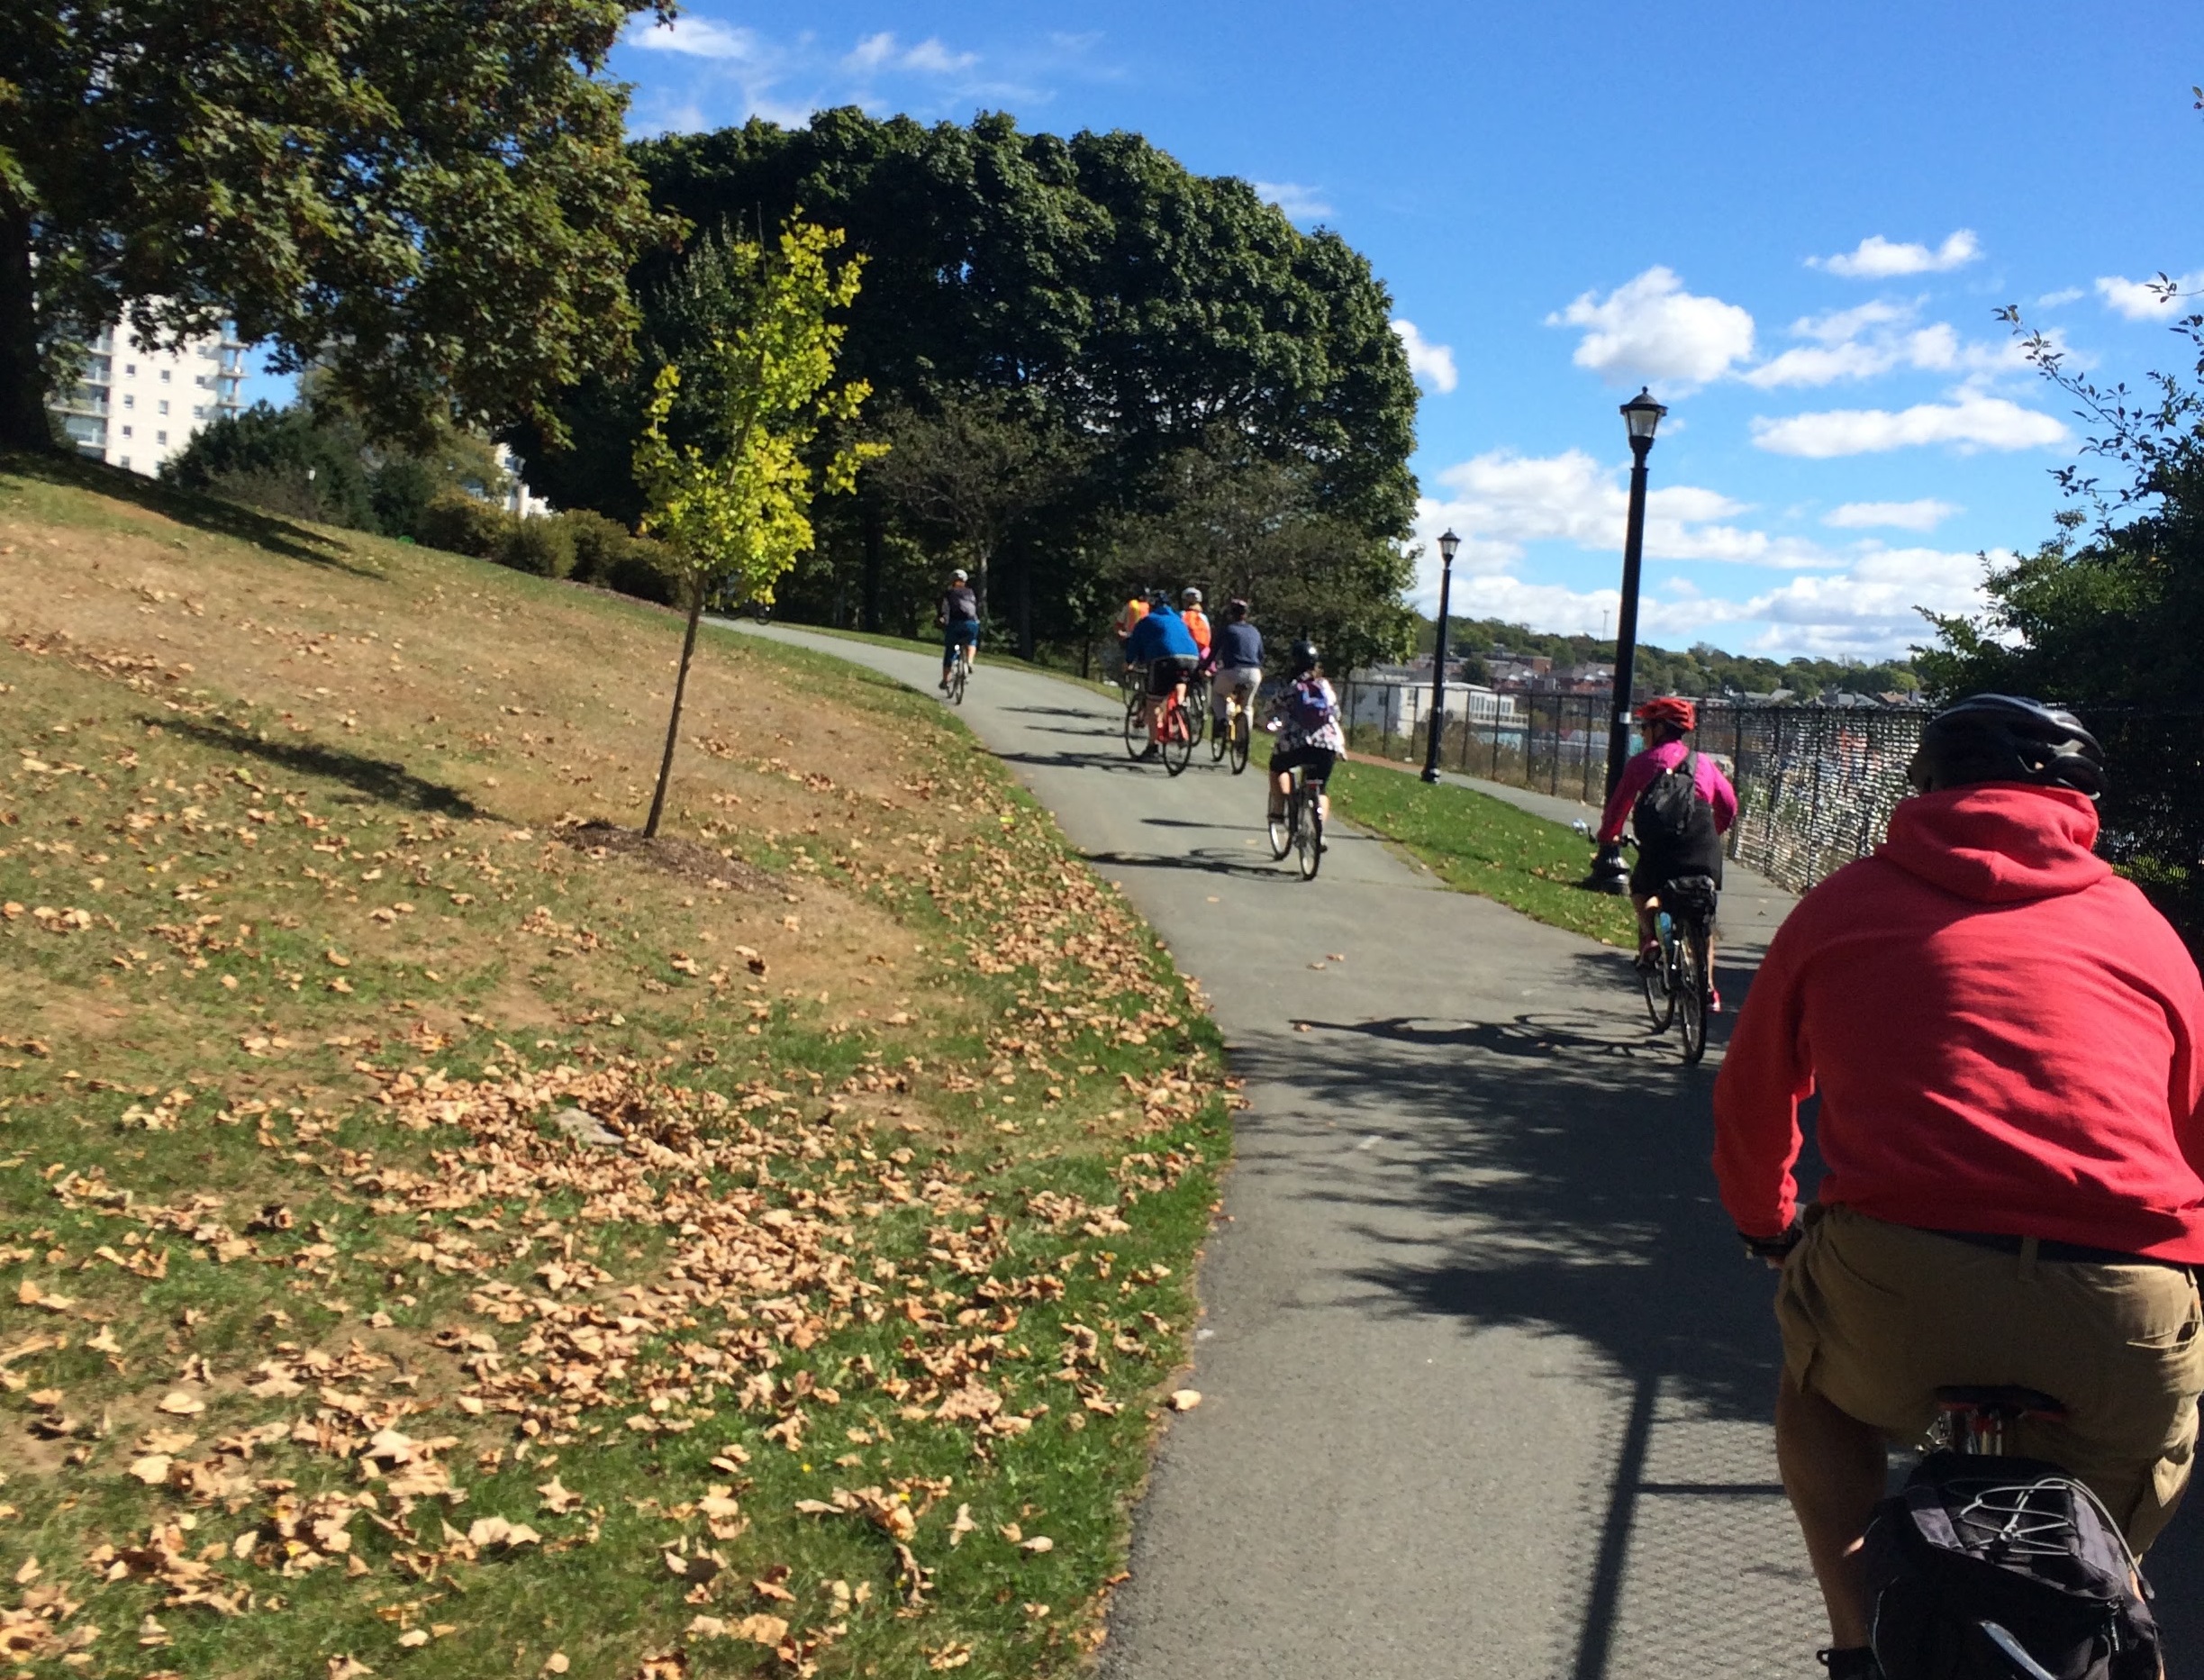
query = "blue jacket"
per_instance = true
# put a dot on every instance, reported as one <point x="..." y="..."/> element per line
<point x="1161" y="635"/>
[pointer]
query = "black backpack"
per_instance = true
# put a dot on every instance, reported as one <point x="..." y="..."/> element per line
<point x="1973" y="1538"/>
<point x="1670" y="816"/>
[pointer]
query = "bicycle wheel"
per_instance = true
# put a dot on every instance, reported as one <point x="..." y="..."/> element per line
<point x="1136" y="726"/>
<point x="1691" y="984"/>
<point x="1221" y="731"/>
<point x="1240" y="733"/>
<point x="1282" y="825"/>
<point x="1177" y="738"/>
<point x="1310" y="837"/>
<point x="958" y="673"/>
<point x="1197" y="709"/>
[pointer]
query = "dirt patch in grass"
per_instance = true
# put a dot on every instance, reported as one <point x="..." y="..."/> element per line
<point x="323" y="1341"/>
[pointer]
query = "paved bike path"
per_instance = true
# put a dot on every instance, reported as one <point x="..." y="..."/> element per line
<point x="1485" y="1380"/>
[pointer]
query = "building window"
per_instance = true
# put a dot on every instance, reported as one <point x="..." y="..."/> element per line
<point x="129" y="400"/>
<point x="126" y="432"/>
<point x="131" y="368"/>
<point x="163" y="376"/>
<point x="164" y="405"/>
<point x="198" y="410"/>
<point x="124" y="462"/>
<point x="160" y="437"/>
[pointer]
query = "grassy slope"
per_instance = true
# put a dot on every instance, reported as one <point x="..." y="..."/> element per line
<point x="917" y="1136"/>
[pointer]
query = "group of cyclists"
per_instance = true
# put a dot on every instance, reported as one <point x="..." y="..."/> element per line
<point x="2007" y="1042"/>
<point x="1173" y="647"/>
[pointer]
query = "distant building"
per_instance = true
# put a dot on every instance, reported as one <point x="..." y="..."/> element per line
<point x="137" y="407"/>
<point x="1376" y="700"/>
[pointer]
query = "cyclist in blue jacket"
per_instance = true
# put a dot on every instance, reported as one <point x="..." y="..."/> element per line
<point x="1162" y="643"/>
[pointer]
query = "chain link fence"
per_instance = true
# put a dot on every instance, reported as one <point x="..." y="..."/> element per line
<point x="1815" y="785"/>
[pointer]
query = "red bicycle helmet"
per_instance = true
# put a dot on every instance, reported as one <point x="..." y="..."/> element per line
<point x="1671" y="709"/>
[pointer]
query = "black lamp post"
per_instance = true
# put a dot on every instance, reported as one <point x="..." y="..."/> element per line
<point x="1643" y="415"/>
<point x="1447" y="544"/>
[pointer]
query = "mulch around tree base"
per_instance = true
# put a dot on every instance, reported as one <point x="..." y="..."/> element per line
<point x="687" y="859"/>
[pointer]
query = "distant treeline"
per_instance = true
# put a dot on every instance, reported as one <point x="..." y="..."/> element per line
<point x="1700" y="671"/>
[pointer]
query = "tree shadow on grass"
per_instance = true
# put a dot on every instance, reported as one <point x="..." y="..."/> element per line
<point x="201" y="513"/>
<point x="380" y="778"/>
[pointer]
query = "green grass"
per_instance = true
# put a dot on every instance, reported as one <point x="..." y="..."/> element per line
<point x="1476" y="843"/>
<point x="295" y="964"/>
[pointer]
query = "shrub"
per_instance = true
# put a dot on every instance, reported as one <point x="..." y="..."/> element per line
<point x="400" y="490"/>
<point x="598" y="544"/>
<point x="543" y="548"/>
<point x="463" y="524"/>
<point x="646" y="570"/>
<point x="282" y="460"/>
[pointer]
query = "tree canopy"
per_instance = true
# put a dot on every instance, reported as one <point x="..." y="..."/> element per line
<point x="430" y="198"/>
<point x="1091" y="290"/>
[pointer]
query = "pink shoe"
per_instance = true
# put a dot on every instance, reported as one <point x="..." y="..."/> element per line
<point x="1714" y="1001"/>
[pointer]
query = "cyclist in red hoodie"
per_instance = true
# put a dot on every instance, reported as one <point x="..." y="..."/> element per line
<point x="2009" y="1045"/>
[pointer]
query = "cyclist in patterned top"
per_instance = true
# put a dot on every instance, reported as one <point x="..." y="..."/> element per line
<point x="1306" y="718"/>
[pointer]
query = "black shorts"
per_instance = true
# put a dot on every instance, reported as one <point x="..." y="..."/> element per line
<point x="1314" y="763"/>
<point x="1164" y="675"/>
<point x="1655" y="870"/>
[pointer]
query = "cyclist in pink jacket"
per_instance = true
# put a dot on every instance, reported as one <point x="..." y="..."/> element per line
<point x="1668" y="853"/>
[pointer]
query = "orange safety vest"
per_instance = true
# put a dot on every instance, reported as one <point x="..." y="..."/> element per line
<point x="1133" y="612"/>
<point x="1197" y="622"/>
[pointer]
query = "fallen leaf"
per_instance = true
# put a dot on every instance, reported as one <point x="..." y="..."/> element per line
<point x="1039" y="1543"/>
<point x="413" y="1638"/>
<point x="963" y="1526"/>
<point x="557" y="1499"/>
<point x="178" y="1403"/>
<point x="152" y="1469"/>
<point x="1185" y="1399"/>
<point x="555" y="1663"/>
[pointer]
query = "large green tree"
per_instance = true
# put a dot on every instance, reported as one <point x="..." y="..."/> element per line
<point x="1089" y="287"/>
<point x="430" y="198"/>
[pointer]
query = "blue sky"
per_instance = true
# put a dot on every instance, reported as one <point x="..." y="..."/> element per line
<point x="1793" y="222"/>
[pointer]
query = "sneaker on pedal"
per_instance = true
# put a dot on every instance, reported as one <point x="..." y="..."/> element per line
<point x="1648" y="959"/>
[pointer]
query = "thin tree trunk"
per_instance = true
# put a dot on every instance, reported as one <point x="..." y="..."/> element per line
<point x="22" y="384"/>
<point x="673" y="724"/>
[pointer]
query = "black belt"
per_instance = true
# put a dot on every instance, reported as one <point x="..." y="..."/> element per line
<point x="2047" y="1249"/>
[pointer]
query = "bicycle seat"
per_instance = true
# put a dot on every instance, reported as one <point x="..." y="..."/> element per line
<point x="2006" y="1400"/>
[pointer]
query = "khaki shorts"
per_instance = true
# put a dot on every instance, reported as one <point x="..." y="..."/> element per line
<point x="1876" y="1317"/>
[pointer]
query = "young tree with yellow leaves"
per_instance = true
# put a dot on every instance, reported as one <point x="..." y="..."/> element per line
<point x="734" y="506"/>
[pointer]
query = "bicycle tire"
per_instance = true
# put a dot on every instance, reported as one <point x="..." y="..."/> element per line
<point x="1177" y="739"/>
<point x="1284" y="826"/>
<point x="1220" y="733"/>
<point x="1691" y="990"/>
<point x="1239" y="742"/>
<point x="1311" y="836"/>
<point x="958" y="672"/>
<point x="1197" y="709"/>
<point x="1136" y="727"/>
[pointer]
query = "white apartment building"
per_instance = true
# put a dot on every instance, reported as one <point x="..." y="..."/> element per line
<point x="136" y="407"/>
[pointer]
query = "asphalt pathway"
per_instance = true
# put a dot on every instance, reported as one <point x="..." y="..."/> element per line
<point x="1485" y="1377"/>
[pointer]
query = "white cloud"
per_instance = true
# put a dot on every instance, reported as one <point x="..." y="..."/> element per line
<point x="1650" y="329"/>
<point x="1431" y="363"/>
<point x="1925" y="515"/>
<point x="1499" y="501"/>
<point x="1970" y="422"/>
<point x="1300" y="204"/>
<point x="1878" y="259"/>
<point x="930" y="58"/>
<point x="698" y="38"/>
<point x="2144" y="300"/>
<point x="1875" y="339"/>
<point x="2064" y="294"/>
<point x="871" y="52"/>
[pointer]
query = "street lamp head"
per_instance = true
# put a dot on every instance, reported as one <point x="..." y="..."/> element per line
<point x="1642" y="414"/>
<point x="1447" y="544"/>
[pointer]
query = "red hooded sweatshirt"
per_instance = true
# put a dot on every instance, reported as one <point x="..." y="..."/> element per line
<point x="2006" y="1036"/>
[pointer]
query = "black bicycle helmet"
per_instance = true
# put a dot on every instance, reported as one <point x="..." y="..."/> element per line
<point x="1304" y="656"/>
<point x="2000" y="738"/>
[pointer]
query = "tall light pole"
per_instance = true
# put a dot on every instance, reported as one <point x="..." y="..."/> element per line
<point x="1447" y="544"/>
<point x="1642" y="416"/>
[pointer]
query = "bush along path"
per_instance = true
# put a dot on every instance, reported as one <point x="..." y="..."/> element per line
<point x="437" y="1236"/>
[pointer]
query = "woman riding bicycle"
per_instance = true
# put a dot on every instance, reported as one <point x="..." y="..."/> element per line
<point x="1306" y="716"/>
<point x="1670" y="851"/>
